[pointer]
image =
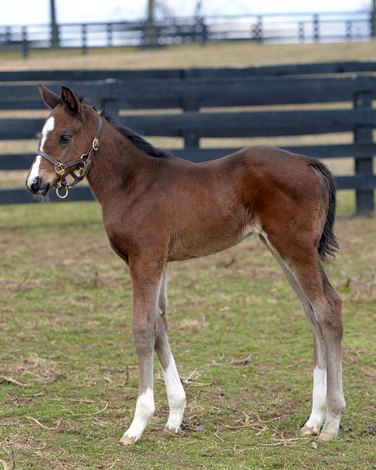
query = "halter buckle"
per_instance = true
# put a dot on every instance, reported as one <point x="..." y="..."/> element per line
<point x="63" y="195"/>
<point x="59" y="168"/>
<point x="95" y="144"/>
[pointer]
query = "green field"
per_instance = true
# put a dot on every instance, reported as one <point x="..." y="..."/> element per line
<point x="68" y="370"/>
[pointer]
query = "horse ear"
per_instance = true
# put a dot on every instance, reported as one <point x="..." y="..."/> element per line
<point x="49" y="97"/>
<point x="70" y="100"/>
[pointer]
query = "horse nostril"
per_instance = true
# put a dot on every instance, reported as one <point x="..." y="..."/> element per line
<point x="36" y="184"/>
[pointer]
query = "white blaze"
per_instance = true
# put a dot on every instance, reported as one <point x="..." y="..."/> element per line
<point x="48" y="127"/>
<point x="34" y="172"/>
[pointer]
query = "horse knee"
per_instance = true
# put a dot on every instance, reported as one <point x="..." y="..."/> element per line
<point x="335" y="301"/>
<point x="331" y="321"/>
<point x="144" y="336"/>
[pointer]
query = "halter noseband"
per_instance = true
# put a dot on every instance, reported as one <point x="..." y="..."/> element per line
<point x="83" y="162"/>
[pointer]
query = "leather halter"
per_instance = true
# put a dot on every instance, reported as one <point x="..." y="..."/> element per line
<point x="83" y="163"/>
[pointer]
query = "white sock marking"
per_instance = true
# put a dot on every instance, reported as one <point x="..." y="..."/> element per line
<point x="144" y="411"/>
<point x="318" y="413"/>
<point x="176" y="396"/>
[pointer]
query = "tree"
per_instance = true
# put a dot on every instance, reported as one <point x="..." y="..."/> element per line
<point x="150" y="24"/>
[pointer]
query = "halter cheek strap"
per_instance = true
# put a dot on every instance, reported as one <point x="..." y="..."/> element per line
<point x="83" y="164"/>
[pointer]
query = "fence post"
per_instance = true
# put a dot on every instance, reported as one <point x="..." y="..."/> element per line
<point x="191" y="137"/>
<point x="25" y="43"/>
<point x="203" y="32"/>
<point x="256" y="30"/>
<point x="8" y="34"/>
<point x="363" y="167"/>
<point x="301" y="31"/>
<point x="316" y="28"/>
<point x="348" y="30"/>
<point x="109" y="35"/>
<point x="84" y="38"/>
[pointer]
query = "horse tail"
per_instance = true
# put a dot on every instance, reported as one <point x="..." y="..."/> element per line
<point x="328" y="245"/>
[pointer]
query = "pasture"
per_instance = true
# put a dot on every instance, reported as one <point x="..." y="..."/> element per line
<point x="68" y="367"/>
<point x="212" y="55"/>
<point x="68" y="374"/>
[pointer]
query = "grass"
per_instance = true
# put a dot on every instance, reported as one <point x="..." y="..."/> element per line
<point x="244" y="350"/>
<point x="68" y="367"/>
<point x="192" y="55"/>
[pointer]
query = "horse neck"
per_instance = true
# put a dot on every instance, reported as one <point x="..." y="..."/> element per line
<point x="114" y="165"/>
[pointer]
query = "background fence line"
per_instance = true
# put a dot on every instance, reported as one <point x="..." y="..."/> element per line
<point x="291" y="28"/>
<point x="215" y="103"/>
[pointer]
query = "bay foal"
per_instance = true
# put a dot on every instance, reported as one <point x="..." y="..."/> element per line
<point x="159" y="208"/>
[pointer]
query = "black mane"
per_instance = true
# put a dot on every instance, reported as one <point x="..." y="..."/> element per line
<point x="135" y="138"/>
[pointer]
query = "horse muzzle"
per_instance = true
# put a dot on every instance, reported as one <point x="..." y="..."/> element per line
<point x="38" y="186"/>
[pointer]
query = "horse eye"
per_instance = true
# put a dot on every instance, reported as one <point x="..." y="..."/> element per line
<point x="64" y="139"/>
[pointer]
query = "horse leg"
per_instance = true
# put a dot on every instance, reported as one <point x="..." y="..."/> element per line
<point x="175" y="391"/>
<point x="318" y="413"/>
<point x="330" y="318"/>
<point x="146" y="274"/>
<point x="305" y="266"/>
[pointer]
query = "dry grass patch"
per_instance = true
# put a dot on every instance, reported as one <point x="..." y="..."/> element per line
<point x="31" y="370"/>
<point x="212" y="55"/>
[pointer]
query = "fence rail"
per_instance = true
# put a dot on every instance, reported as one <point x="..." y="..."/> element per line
<point x="299" y="27"/>
<point x="216" y="103"/>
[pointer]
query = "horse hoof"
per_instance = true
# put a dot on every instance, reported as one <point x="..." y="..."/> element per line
<point x="169" y="433"/>
<point x="127" y="441"/>
<point x="306" y="431"/>
<point x="326" y="436"/>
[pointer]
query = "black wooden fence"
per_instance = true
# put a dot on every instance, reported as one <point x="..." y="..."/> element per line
<point x="216" y="103"/>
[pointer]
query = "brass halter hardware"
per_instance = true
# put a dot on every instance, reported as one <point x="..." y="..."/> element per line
<point x="63" y="195"/>
<point x="60" y="170"/>
<point x="95" y="144"/>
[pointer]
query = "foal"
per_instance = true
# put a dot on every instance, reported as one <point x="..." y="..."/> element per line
<point x="158" y="208"/>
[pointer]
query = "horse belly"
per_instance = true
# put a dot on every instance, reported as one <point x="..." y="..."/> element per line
<point x="204" y="242"/>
